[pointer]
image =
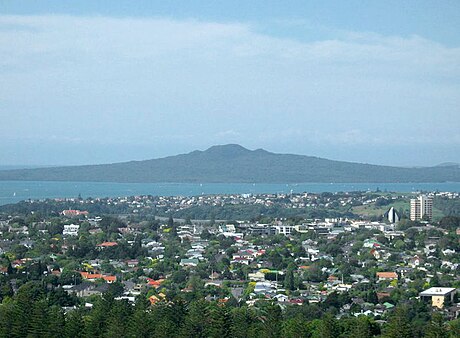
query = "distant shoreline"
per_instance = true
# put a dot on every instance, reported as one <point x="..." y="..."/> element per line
<point x="15" y="191"/>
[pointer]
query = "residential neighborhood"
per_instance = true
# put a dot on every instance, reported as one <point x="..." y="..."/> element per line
<point x="340" y="266"/>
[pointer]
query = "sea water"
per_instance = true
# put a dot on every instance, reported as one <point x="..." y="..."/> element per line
<point x="15" y="191"/>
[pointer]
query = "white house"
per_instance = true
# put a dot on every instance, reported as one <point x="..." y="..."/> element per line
<point x="70" y="230"/>
<point x="284" y="229"/>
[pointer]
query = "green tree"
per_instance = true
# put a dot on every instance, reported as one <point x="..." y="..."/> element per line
<point x="219" y="322"/>
<point x="241" y="320"/>
<point x="38" y="319"/>
<point x="272" y="319"/>
<point x="362" y="328"/>
<point x="55" y="322"/>
<point x="295" y="328"/>
<point x="196" y="320"/>
<point x="7" y="312"/>
<point x="328" y="328"/>
<point x="118" y="319"/>
<point x="289" y="283"/>
<point x="437" y="327"/>
<point x="454" y="328"/>
<point x="140" y="324"/>
<point x="74" y="325"/>
<point x="398" y="325"/>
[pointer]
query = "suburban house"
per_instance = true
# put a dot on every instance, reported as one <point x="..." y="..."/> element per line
<point x="106" y="245"/>
<point x="73" y="213"/>
<point x="386" y="276"/>
<point x="438" y="296"/>
<point x="189" y="262"/>
<point x="70" y="230"/>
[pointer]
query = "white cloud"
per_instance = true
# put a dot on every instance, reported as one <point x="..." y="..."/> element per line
<point x="140" y="79"/>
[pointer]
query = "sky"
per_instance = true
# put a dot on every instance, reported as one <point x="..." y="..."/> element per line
<point x="87" y="82"/>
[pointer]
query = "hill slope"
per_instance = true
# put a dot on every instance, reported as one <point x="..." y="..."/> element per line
<point x="233" y="163"/>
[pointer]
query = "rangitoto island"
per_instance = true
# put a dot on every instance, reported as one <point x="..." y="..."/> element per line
<point x="233" y="163"/>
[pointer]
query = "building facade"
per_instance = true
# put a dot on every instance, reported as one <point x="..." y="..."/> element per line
<point x="392" y="215"/>
<point x="438" y="296"/>
<point x="421" y="208"/>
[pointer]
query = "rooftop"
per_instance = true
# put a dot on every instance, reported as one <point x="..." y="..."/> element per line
<point x="437" y="291"/>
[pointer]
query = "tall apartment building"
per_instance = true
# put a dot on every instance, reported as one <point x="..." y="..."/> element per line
<point x="421" y="207"/>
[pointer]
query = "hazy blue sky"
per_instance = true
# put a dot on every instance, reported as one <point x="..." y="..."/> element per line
<point x="108" y="81"/>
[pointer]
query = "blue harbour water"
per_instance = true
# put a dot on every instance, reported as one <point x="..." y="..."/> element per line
<point x="15" y="191"/>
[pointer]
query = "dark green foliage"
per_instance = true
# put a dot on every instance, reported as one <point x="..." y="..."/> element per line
<point x="450" y="222"/>
<point x="399" y="325"/>
<point x="363" y="327"/>
<point x="437" y="327"/>
<point x="450" y="207"/>
<point x="241" y="321"/>
<point x="74" y="324"/>
<point x="270" y="317"/>
<point x="328" y="327"/>
<point x="7" y="314"/>
<point x="289" y="278"/>
<point x="296" y="328"/>
<point x="200" y="318"/>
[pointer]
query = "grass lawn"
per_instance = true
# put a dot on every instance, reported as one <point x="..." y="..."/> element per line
<point x="371" y="210"/>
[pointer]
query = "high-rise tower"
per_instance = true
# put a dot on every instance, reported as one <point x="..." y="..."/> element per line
<point x="421" y="208"/>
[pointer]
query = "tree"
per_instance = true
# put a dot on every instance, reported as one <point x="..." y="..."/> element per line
<point x="437" y="327"/>
<point x="164" y="322"/>
<point x="219" y="321"/>
<point x="140" y="323"/>
<point x="196" y="320"/>
<point x="327" y="328"/>
<point x="74" y="325"/>
<point x="434" y="281"/>
<point x="241" y="321"/>
<point x="289" y="278"/>
<point x="398" y="325"/>
<point x="116" y="289"/>
<point x="295" y="328"/>
<point x="55" y="322"/>
<point x="6" y="290"/>
<point x="362" y="328"/>
<point x="454" y="328"/>
<point x="271" y="319"/>
<point x="38" y="319"/>
<point x="118" y="318"/>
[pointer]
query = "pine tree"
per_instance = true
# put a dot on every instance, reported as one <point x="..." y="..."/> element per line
<point x="7" y="311"/>
<point x="271" y="318"/>
<point x="74" y="325"/>
<point x="241" y="320"/>
<point x="219" y="321"/>
<point x="55" y="322"/>
<point x="361" y="328"/>
<point x="38" y="319"/>
<point x="295" y="328"/>
<point x="327" y="328"/>
<point x="289" y="279"/>
<point x="165" y="320"/>
<point x="6" y="290"/>
<point x="96" y="322"/>
<point x="454" y="328"/>
<point x="399" y="325"/>
<point x="196" y="320"/>
<point x="139" y="324"/>
<point x="117" y="319"/>
<point x="437" y="327"/>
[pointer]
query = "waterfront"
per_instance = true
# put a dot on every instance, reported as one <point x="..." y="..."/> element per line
<point x="15" y="191"/>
